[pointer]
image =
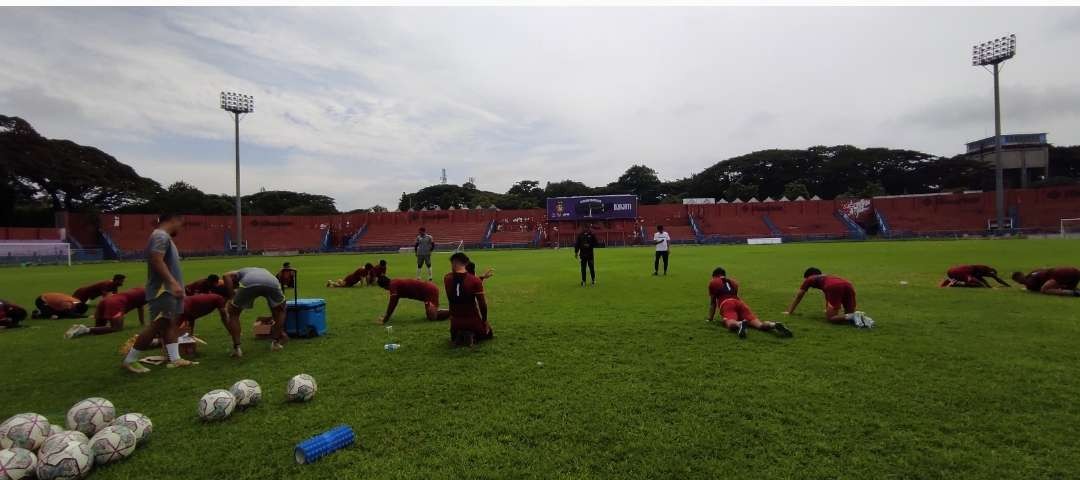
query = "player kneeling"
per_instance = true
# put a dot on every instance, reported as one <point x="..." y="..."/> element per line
<point x="724" y="296"/>
<point x="971" y="276"/>
<point x="109" y="314"/>
<point x="1061" y="281"/>
<point x="839" y="293"/>
<point x="11" y="314"/>
<point x="468" y="306"/>
<point x="244" y="286"/>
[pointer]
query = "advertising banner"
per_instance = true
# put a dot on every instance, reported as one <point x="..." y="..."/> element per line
<point x="598" y="207"/>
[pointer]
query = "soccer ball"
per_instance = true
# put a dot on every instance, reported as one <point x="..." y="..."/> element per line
<point x="112" y="443"/>
<point x="301" y="388"/>
<point x="25" y="430"/>
<point x="216" y="405"/>
<point x="90" y="415"/>
<point x="138" y="423"/>
<point x="58" y="441"/>
<point x="17" y="463"/>
<point x="247" y="393"/>
<point x="54" y="429"/>
<point x="72" y="462"/>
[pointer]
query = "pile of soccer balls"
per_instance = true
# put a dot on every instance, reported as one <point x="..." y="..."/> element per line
<point x="33" y="447"/>
<point x="219" y="404"/>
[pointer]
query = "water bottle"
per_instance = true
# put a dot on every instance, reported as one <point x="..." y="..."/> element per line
<point x="390" y="347"/>
<point x="324" y="444"/>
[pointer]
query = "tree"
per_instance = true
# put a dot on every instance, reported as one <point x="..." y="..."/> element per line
<point x="281" y="202"/>
<point x="796" y="189"/>
<point x="378" y="209"/>
<point x="468" y="186"/>
<point x="738" y="191"/>
<point x="566" y="188"/>
<point x="642" y="181"/>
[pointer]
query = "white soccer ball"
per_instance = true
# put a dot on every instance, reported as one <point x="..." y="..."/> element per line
<point x="248" y="393"/>
<point x="138" y="423"/>
<point x="112" y="443"/>
<point x="301" y="388"/>
<point x="59" y="441"/>
<point x="90" y="415"/>
<point x="54" y="429"/>
<point x="24" y="430"/>
<point x="72" y="462"/>
<point x="216" y="405"/>
<point x="17" y="463"/>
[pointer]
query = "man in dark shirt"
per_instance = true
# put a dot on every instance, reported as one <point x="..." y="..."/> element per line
<point x="583" y="251"/>
<point x="1051" y="281"/>
<point x="468" y="306"/>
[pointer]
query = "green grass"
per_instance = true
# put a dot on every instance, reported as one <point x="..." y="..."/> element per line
<point x="633" y="383"/>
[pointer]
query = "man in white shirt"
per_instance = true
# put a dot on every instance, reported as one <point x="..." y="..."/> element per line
<point x="663" y="242"/>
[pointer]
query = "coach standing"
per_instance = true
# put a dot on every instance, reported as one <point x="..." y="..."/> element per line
<point x="583" y="251"/>
<point x="425" y="244"/>
<point x="662" y="240"/>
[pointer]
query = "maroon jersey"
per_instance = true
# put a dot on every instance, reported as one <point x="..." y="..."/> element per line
<point x="461" y="291"/>
<point x="723" y="288"/>
<point x="378" y="271"/>
<point x="95" y="290"/>
<point x="196" y="306"/>
<point x="205" y="286"/>
<point x="121" y="303"/>
<point x="287" y="278"/>
<point x="1066" y="277"/>
<point x="962" y="272"/>
<point x="824" y="282"/>
<point x="415" y="290"/>
<point x="355" y="277"/>
<point x="10" y="314"/>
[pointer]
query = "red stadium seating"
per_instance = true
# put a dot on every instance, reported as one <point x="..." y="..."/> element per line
<point x="14" y="234"/>
<point x="729" y="221"/>
<point x="812" y="218"/>
<point x="1042" y="209"/>
<point x="674" y="218"/>
<point x="937" y="213"/>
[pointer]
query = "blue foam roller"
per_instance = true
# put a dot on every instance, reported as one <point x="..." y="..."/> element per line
<point x="324" y="444"/>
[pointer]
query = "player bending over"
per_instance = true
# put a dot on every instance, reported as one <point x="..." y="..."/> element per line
<point x="58" y="305"/>
<point x="11" y="314"/>
<point x="109" y="314"/>
<point x="724" y="296"/>
<point x="971" y="276"/>
<point x="468" y="307"/>
<point x="287" y="276"/>
<point x="418" y="290"/>
<point x="1051" y="281"/>
<point x="839" y="293"/>
<point x="351" y="279"/>
<point x="244" y="286"/>
<point x="211" y="284"/>
<point x="103" y="288"/>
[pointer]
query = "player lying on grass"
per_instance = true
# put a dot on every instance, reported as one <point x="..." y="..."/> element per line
<point x="839" y="293"/>
<point x="418" y="290"/>
<point x="58" y="305"/>
<point x="103" y="288"/>
<point x="971" y="276"/>
<point x="11" y="314"/>
<point x="1051" y="281"/>
<point x="211" y="284"/>
<point x="287" y="276"/>
<point x="724" y="296"/>
<point x="375" y="272"/>
<point x="356" y="277"/>
<point x="468" y="306"/>
<point x="109" y="314"/>
<point x="244" y="286"/>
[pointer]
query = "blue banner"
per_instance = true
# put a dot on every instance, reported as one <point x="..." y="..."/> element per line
<point x="599" y="207"/>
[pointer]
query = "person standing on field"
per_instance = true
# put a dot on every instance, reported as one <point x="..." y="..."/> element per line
<point x="583" y="251"/>
<point x="662" y="240"/>
<point x="425" y="244"/>
<point x="164" y="295"/>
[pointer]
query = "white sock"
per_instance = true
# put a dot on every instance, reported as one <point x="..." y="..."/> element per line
<point x="174" y="351"/>
<point x="849" y="316"/>
<point x="132" y="356"/>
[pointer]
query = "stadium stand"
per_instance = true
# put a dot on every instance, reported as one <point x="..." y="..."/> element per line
<point x="1041" y="210"/>
<point x="806" y="220"/>
<point x="936" y="214"/>
<point x="729" y="222"/>
<point x="674" y="218"/>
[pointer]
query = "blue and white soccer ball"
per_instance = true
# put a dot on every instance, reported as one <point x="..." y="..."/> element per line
<point x="71" y="462"/>
<point x="24" y="430"/>
<point x="138" y="423"/>
<point x="248" y="393"/>
<point x="216" y="405"/>
<point x="17" y="463"/>
<point x="90" y="415"/>
<point x="59" y="441"/>
<point x="112" y="443"/>
<point x="301" y="388"/>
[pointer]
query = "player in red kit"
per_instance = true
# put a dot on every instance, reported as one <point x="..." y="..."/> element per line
<point x="201" y="305"/>
<point x="724" y="296"/>
<point x="839" y="294"/>
<point x="103" y="288"/>
<point x="971" y="276"/>
<point x="1060" y="281"/>
<point x="211" y="284"/>
<point x="468" y="306"/>
<point x="411" y="289"/>
<point x="56" y="305"/>
<point x="287" y="276"/>
<point x="375" y="272"/>
<point x="351" y="279"/>
<point x="11" y="314"/>
<point x="109" y="314"/>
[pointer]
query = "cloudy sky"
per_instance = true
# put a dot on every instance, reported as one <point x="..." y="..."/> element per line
<point x="365" y="103"/>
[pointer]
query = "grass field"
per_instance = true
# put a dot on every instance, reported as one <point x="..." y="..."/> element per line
<point x="623" y="380"/>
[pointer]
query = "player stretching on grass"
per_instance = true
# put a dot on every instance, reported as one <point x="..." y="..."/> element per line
<point x="357" y="276"/>
<point x="164" y="295"/>
<point x="971" y="276"/>
<point x="103" y="288"/>
<point x="11" y="314"/>
<point x="211" y="284"/>
<point x="1060" y="281"/>
<point x="425" y="244"/>
<point x="583" y="251"/>
<point x="58" y="305"/>
<point x="109" y="314"/>
<point x="839" y="293"/>
<point x="411" y="289"/>
<point x="724" y="296"/>
<point x="375" y="272"/>
<point x="468" y="306"/>
<point x="244" y="286"/>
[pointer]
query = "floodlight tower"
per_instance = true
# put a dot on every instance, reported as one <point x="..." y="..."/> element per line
<point x="238" y="104"/>
<point x="993" y="53"/>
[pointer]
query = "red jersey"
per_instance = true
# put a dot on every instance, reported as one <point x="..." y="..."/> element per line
<point x="1066" y="277"/>
<point x="415" y="290"/>
<point x="9" y="310"/>
<point x="461" y="291"/>
<point x="722" y="288"/>
<point x="121" y="303"/>
<point x="287" y="278"/>
<point x="205" y="286"/>
<point x="355" y="277"/>
<point x="978" y="271"/>
<point x="95" y="290"/>
<point x="824" y="282"/>
<point x="59" y="302"/>
<point x="197" y="306"/>
<point x="378" y="271"/>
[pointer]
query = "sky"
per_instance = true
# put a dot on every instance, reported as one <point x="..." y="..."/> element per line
<point x="365" y="103"/>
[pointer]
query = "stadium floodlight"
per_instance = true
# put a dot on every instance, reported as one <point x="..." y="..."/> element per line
<point x="993" y="53"/>
<point x="238" y="104"/>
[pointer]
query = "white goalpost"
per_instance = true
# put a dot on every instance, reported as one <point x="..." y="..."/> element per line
<point x="35" y="253"/>
<point x="1070" y="227"/>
